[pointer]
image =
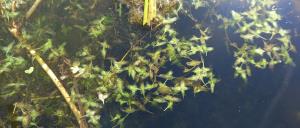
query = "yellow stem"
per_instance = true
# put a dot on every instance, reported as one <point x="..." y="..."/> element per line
<point x="53" y="77"/>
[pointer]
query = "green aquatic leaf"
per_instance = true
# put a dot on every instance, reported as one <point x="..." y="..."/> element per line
<point x="150" y="86"/>
<point x="171" y="52"/>
<point x="285" y="40"/>
<point x="193" y="63"/>
<point x="57" y="52"/>
<point x="236" y="16"/>
<point x="7" y="49"/>
<point x="29" y="71"/>
<point x="155" y="56"/>
<point x="262" y="63"/>
<point x="197" y="88"/>
<point x="202" y="49"/>
<point x="131" y="71"/>
<point x="133" y="89"/>
<point x="99" y="26"/>
<point x="104" y="49"/>
<point x="139" y="79"/>
<point x="141" y="106"/>
<point x="212" y="82"/>
<point x="240" y="72"/>
<point x="159" y="100"/>
<point x="47" y="46"/>
<point x="169" y="105"/>
<point x="116" y="117"/>
<point x="203" y="39"/>
<point x="169" y="20"/>
<point x="268" y="3"/>
<point x="274" y="15"/>
<point x="164" y="90"/>
<point x="199" y="3"/>
<point x="10" y="14"/>
<point x="181" y="87"/>
<point x="129" y="110"/>
<point x="167" y="76"/>
<point x="172" y="98"/>
<point x="259" y="51"/>
<point x="142" y="89"/>
<point x="248" y="37"/>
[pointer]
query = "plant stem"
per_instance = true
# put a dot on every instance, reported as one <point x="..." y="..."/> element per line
<point x="53" y="77"/>
<point x="15" y="31"/>
<point x="32" y="9"/>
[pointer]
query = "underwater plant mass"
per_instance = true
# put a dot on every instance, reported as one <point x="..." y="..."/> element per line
<point x="99" y="63"/>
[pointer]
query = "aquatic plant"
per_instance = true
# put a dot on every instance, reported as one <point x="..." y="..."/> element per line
<point x="103" y="59"/>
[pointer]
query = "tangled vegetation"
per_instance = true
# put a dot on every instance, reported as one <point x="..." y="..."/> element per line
<point x="66" y="61"/>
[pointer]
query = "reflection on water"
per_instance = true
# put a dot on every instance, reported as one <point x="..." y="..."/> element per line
<point x="268" y="100"/>
<point x="297" y="5"/>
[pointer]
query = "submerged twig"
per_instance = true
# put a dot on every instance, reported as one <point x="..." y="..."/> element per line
<point x="15" y="31"/>
<point x="79" y="103"/>
<point x="44" y="98"/>
<point x="53" y="77"/>
<point x="32" y="9"/>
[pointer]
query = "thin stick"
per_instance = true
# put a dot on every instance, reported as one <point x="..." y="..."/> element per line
<point x="15" y="31"/>
<point x="32" y="9"/>
<point x="53" y="77"/>
<point x="79" y="103"/>
<point x="44" y="98"/>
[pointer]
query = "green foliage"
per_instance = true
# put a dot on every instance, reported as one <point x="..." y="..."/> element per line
<point x="199" y="3"/>
<point x="106" y="62"/>
<point x="99" y="26"/>
<point x="266" y="44"/>
<point x="10" y="61"/>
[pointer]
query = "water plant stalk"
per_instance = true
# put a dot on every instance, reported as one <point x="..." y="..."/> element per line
<point x="15" y="31"/>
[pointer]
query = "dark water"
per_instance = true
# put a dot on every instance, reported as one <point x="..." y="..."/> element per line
<point x="270" y="99"/>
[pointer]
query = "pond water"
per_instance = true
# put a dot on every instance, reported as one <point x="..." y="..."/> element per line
<point x="270" y="99"/>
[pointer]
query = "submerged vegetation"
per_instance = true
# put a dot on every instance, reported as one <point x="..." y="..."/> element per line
<point x="70" y="62"/>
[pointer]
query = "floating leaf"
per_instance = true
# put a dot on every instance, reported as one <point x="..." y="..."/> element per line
<point x="133" y="89"/>
<point x="29" y="71"/>
<point x="169" y="105"/>
<point x="164" y="90"/>
<point x="105" y="46"/>
<point x="193" y="63"/>
<point x="172" y="98"/>
<point x="236" y="16"/>
<point x="142" y="89"/>
<point x="181" y="87"/>
<point x="259" y="51"/>
<point x="167" y="76"/>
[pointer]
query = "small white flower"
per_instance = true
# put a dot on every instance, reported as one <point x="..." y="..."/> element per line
<point x="75" y="69"/>
<point x="102" y="96"/>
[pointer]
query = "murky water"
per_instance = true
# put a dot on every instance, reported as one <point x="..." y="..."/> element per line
<point x="270" y="99"/>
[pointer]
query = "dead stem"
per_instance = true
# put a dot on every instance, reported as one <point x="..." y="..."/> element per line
<point x="15" y="31"/>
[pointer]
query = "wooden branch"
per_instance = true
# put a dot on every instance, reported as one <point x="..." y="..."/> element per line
<point x="53" y="77"/>
<point x="32" y="9"/>
<point x="15" y="31"/>
<point x="79" y="103"/>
